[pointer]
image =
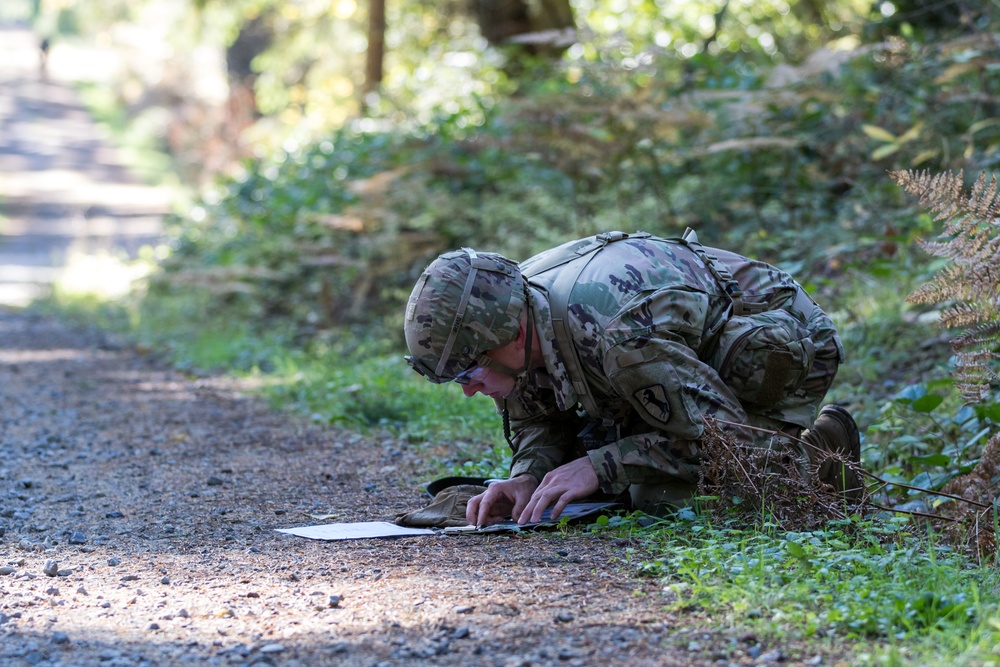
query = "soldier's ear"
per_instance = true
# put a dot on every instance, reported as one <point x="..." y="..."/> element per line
<point x="522" y="336"/>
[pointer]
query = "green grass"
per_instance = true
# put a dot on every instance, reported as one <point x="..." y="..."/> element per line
<point x="379" y="391"/>
<point x="889" y="592"/>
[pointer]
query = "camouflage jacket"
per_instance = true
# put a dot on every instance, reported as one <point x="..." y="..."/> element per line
<point x="649" y="321"/>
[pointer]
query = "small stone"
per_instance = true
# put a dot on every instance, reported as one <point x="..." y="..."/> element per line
<point x="60" y="638"/>
<point x="154" y="626"/>
<point x="114" y="515"/>
<point x="114" y="562"/>
<point x="183" y="613"/>
<point x="755" y="651"/>
<point x="461" y="633"/>
<point x="6" y="569"/>
<point x="463" y="609"/>
<point x="165" y="581"/>
<point x="130" y="577"/>
<point x="272" y="648"/>
<point x="51" y="568"/>
<point x="52" y="590"/>
<point x="773" y="656"/>
<point x="77" y="537"/>
<point x="562" y="552"/>
<point x="564" y="617"/>
<point x="81" y="590"/>
<point x="334" y="601"/>
<point x="64" y="573"/>
<point x="815" y="661"/>
<point x="215" y="481"/>
<point x="105" y="605"/>
<point x="223" y="612"/>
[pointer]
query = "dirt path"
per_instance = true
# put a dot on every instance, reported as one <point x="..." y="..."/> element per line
<point x="152" y="499"/>
<point x="64" y="190"/>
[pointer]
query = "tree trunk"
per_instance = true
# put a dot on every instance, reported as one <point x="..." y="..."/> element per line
<point x="541" y="27"/>
<point x="376" y="51"/>
<point x="255" y="36"/>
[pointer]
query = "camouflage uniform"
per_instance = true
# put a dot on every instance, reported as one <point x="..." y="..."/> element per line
<point x="661" y="347"/>
<point x="654" y="331"/>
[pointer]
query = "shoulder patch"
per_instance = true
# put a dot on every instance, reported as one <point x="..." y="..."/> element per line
<point x="654" y="399"/>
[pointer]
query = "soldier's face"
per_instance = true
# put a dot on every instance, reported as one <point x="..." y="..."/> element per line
<point x="486" y="381"/>
<point x="490" y="383"/>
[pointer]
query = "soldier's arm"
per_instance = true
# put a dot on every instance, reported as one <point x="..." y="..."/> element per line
<point x="544" y="437"/>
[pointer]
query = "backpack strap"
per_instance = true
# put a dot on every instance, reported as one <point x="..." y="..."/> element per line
<point x="559" y="295"/>
<point x="722" y="275"/>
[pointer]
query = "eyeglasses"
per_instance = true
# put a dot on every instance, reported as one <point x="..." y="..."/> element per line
<point x="472" y="375"/>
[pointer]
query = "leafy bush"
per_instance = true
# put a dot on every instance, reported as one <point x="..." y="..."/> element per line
<point x="335" y="231"/>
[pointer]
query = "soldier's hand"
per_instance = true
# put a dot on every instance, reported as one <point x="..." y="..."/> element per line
<point x="566" y="483"/>
<point x="500" y="500"/>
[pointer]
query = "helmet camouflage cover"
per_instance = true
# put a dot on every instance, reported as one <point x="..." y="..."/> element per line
<point x="464" y="304"/>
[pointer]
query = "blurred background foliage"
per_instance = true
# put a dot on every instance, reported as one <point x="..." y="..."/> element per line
<point x="335" y="147"/>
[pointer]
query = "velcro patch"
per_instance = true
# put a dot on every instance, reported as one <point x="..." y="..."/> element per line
<point x="654" y="399"/>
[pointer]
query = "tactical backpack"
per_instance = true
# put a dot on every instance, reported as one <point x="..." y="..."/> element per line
<point x="762" y="353"/>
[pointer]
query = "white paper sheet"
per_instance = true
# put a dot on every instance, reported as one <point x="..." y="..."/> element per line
<point x="355" y="531"/>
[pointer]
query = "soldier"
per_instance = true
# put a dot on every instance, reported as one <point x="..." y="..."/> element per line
<point x="649" y="336"/>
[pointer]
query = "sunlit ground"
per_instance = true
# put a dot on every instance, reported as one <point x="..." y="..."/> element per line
<point x="100" y="275"/>
<point x="70" y="216"/>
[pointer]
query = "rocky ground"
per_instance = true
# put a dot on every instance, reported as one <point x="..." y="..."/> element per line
<point x="138" y="510"/>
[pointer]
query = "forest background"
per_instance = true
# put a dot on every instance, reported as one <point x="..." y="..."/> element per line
<point x="324" y="151"/>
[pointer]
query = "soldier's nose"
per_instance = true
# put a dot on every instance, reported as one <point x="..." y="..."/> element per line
<point x="471" y="389"/>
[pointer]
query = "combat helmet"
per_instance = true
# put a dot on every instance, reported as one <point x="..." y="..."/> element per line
<point x="464" y="304"/>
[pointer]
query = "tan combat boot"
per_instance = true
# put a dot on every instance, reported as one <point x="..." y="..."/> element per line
<point x="835" y="431"/>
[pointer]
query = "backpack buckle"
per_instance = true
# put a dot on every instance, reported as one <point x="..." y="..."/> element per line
<point x="611" y="237"/>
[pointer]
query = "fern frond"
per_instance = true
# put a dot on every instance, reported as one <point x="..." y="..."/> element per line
<point x="945" y="285"/>
<point x="970" y="238"/>
<point x="986" y="335"/>
<point x="973" y="393"/>
<point x="984" y="202"/>
<point x="939" y="194"/>
<point x="961" y="315"/>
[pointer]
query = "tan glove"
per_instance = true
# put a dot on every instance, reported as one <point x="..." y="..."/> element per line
<point x="446" y="510"/>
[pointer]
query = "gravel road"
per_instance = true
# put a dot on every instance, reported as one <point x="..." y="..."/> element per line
<point x="138" y="509"/>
